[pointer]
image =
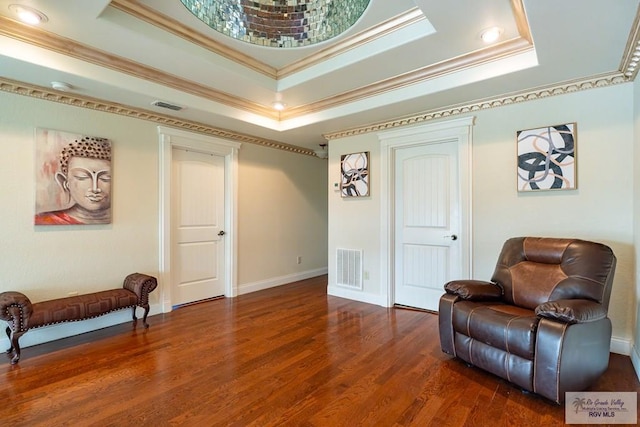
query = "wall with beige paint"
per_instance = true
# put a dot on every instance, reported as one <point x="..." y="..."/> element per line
<point x="49" y="261"/>
<point x="600" y="209"/>
<point x="282" y="213"/>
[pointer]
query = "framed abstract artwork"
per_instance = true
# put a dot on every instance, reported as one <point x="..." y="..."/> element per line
<point x="354" y="171"/>
<point x="73" y="179"/>
<point x="547" y="158"/>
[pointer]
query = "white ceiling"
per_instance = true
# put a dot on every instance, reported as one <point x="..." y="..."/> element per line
<point x="402" y="58"/>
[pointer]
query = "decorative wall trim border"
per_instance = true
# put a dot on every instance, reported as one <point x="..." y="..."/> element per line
<point x="39" y="92"/>
<point x="539" y="93"/>
<point x="20" y="88"/>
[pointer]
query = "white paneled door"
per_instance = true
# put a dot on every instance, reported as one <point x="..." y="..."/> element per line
<point x="197" y="226"/>
<point x="427" y="217"/>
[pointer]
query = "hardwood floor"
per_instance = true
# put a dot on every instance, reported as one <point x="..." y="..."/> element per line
<point x="287" y="356"/>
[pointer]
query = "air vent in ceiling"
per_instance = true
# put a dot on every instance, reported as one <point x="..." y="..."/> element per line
<point x="163" y="104"/>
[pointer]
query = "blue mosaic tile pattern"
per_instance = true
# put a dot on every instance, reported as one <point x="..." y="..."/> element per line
<point x="278" y="23"/>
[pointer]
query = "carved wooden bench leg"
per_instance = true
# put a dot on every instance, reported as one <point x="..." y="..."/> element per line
<point x="144" y="318"/>
<point x="15" y="345"/>
<point x="10" y="349"/>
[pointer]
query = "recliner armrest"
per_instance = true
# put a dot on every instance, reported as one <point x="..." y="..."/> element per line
<point x="474" y="290"/>
<point x="572" y="310"/>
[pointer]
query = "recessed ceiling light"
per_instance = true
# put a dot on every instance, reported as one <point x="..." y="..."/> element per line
<point x="279" y="105"/>
<point x="491" y="35"/>
<point x="27" y="14"/>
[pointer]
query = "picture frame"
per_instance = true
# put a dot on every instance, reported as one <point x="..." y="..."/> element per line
<point x="546" y="158"/>
<point x="354" y="174"/>
<point x="73" y="179"/>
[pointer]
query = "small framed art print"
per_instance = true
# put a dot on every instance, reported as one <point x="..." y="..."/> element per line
<point x="354" y="171"/>
<point x="547" y="158"/>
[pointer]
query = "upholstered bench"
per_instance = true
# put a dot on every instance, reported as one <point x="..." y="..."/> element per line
<point x="22" y="315"/>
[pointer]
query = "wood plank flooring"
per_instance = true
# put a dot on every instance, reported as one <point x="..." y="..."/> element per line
<point x="287" y="356"/>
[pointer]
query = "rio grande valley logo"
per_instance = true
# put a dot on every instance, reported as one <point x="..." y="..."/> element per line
<point x="601" y="408"/>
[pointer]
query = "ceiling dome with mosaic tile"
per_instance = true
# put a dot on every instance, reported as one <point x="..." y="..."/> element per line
<point x="278" y="23"/>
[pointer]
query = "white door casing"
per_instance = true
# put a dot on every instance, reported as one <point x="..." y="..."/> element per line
<point x="172" y="138"/>
<point x="197" y="226"/>
<point x="456" y="132"/>
<point x="426" y="212"/>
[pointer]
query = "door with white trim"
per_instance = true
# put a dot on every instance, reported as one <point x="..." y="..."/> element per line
<point x="197" y="226"/>
<point x="427" y="222"/>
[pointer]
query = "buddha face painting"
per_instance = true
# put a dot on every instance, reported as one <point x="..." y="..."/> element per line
<point x="88" y="182"/>
<point x="84" y="177"/>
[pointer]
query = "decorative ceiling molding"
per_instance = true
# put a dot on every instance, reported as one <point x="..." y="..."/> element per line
<point x="384" y="28"/>
<point x="39" y="92"/>
<point x="630" y="63"/>
<point x="520" y="15"/>
<point x="505" y="49"/>
<point x="20" y="88"/>
<point x="545" y="92"/>
<point x="62" y="45"/>
<point x="71" y="48"/>
<point x="157" y="19"/>
<point x="65" y="46"/>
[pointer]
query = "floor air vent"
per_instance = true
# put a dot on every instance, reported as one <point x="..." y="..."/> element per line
<point x="349" y="268"/>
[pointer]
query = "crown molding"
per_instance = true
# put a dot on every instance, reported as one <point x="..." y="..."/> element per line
<point x="522" y="23"/>
<point x="630" y="63"/>
<point x="62" y="45"/>
<point x="358" y="40"/>
<point x="539" y="93"/>
<point x="164" y="22"/>
<point x="502" y="50"/>
<point x="39" y="92"/>
<point x="514" y="46"/>
<point x="157" y="19"/>
<point x="74" y="49"/>
<point x="510" y="47"/>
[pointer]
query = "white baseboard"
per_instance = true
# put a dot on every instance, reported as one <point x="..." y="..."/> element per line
<point x="635" y="360"/>
<point x="620" y="346"/>
<point x="247" y="288"/>
<point x="360" y="296"/>
<point x="65" y="330"/>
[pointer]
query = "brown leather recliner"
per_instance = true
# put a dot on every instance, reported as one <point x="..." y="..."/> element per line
<point x="541" y="323"/>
